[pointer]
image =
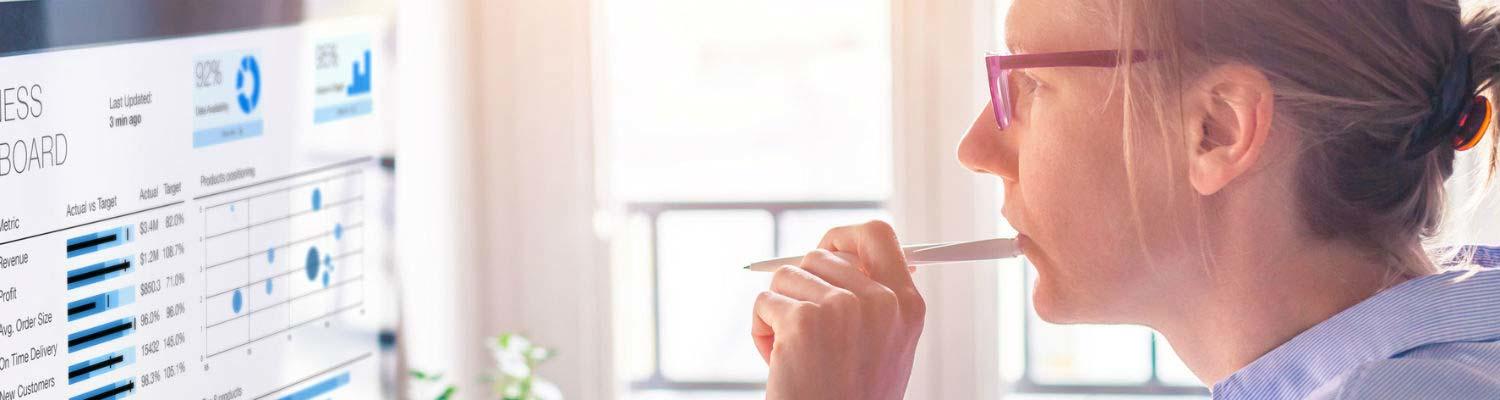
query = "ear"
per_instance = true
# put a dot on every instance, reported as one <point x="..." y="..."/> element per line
<point x="1228" y="114"/>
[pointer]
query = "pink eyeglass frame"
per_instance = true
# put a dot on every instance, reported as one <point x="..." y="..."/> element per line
<point x="999" y="66"/>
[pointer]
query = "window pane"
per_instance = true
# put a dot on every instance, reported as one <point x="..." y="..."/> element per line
<point x="633" y="324"/>
<point x="1014" y="308"/>
<point x="706" y="298"/>
<point x="736" y="100"/>
<point x="1088" y="354"/>
<point x="1170" y="369"/>
<point x="802" y="230"/>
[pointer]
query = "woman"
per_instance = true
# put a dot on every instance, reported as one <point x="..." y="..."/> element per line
<point x="1254" y="179"/>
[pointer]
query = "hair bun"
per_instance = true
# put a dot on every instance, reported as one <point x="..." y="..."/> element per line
<point x="1452" y="106"/>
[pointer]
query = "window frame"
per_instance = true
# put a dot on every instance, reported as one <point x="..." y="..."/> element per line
<point x="652" y="211"/>
<point x="1027" y="384"/>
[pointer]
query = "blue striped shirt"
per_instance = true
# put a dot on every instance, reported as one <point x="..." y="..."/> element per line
<point x="1432" y="337"/>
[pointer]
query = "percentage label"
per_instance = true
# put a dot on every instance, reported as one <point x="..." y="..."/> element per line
<point x="149" y="318"/>
<point x="174" y="370"/>
<point x="176" y="339"/>
<point x="173" y="250"/>
<point x="176" y="310"/>
<point x="327" y="55"/>
<point x="175" y="220"/>
<point x="207" y="74"/>
<point x="149" y="378"/>
<point x="174" y="280"/>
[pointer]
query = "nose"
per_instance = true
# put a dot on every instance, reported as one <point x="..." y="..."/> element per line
<point x="988" y="150"/>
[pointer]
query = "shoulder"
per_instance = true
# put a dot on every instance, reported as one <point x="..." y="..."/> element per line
<point x="1433" y="373"/>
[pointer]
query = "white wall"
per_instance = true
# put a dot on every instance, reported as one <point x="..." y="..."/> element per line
<point x="495" y="189"/>
<point x="544" y="271"/>
<point x="435" y="193"/>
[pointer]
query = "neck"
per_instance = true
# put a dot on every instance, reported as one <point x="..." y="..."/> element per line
<point x="1259" y="294"/>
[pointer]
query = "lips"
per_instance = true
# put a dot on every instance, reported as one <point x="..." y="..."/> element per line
<point x="1023" y="242"/>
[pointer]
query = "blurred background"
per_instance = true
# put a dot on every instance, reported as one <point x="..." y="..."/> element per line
<point x="593" y="173"/>
<point x="648" y="148"/>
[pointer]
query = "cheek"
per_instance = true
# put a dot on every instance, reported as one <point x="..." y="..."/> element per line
<point x="1077" y="197"/>
<point x="1072" y="173"/>
<point x="1078" y="208"/>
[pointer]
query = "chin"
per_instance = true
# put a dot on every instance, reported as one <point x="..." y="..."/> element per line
<point x="1051" y="306"/>
<point x="1056" y="301"/>
<point x="1049" y="298"/>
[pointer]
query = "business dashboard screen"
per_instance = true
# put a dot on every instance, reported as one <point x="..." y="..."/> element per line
<point x="191" y="199"/>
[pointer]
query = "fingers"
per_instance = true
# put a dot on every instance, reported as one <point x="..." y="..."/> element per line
<point x="799" y="284"/>
<point x="770" y="310"/>
<point x="841" y="272"/>
<point x="875" y="244"/>
<point x="822" y="278"/>
<point x="835" y="270"/>
<point x="879" y="253"/>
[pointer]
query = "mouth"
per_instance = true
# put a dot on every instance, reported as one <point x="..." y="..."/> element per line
<point x="1024" y="244"/>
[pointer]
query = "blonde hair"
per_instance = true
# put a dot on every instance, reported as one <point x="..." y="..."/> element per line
<point x="1351" y="79"/>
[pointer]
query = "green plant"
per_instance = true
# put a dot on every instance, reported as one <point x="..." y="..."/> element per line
<point x="514" y="376"/>
<point x="424" y="383"/>
<point x="516" y="359"/>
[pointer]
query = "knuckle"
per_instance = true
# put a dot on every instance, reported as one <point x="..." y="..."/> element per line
<point x="823" y="257"/>
<point x="784" y="272"/>
<point x="913" y="307"/>
<point x="843" y="299"/>
<point x="836" y="232"/>
<point x="816" y="256"/>
<point x="884" y="296"/>
<point x="804" y="317"/>
<point x="762" y="297"/>
<point x="879" y="228"/>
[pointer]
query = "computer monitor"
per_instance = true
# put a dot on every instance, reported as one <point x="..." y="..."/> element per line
<point x="192" y="199"/>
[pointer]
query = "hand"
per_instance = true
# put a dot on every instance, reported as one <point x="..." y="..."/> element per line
<point x="841" y="328"/>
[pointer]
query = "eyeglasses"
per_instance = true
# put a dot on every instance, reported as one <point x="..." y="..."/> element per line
<point x="1000" y="66"/>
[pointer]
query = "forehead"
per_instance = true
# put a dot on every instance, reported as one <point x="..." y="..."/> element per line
<point x="1034" y="26"/>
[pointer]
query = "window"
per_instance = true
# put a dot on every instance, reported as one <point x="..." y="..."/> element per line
<point x="730" y="132"/>
<point x="1044" y="360"/>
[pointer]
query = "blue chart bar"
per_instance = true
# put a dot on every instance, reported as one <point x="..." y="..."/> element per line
<point x="99" y="366"/>
<point x="101" y="334"/>
<point x="98" y="241"/>
<point x="100" y="272"/>
<point x="228" y="133"/>
<point x="100" y="303"/>
<point x="319" y="389"/>
<point x="117" y="390"/>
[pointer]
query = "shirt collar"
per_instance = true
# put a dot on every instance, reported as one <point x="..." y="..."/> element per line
<point x="1431" y="309"/>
